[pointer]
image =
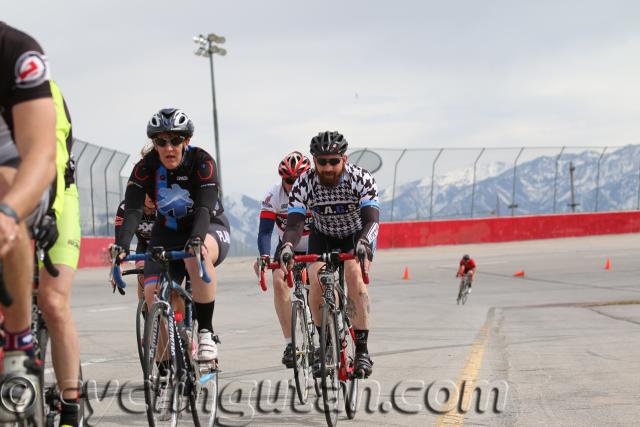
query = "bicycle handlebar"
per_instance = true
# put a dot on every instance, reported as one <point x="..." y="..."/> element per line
<point x="116" y="272"/>
<point x="325" y="257"/>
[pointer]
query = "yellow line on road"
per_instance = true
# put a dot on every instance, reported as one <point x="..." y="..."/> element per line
<point x="467" y="379"/>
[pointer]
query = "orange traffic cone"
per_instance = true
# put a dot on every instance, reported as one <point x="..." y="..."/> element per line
<point x="607" y="265"/>
<point x="405" y="275"/>
<point x="518" y="274"/>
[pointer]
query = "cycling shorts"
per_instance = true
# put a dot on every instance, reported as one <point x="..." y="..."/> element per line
<point x="320" y="243"/>
<point x="66" y="250"/>
<point x="176" y="240"/>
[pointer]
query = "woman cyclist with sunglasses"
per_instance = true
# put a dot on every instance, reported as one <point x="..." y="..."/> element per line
<point x="183" y="183"/>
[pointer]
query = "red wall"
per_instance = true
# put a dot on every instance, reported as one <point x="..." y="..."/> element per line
<point x="455" y="232"/>
<point x="504" y="229"/>
<point x="93" y="252"/>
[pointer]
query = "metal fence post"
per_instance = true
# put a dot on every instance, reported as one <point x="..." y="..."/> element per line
<point x="598" y="177"/>
<point x="93" y="216"/>
<point x="433" y="173"/>
<point x="473" y="188"/>
<point x="120" y="176"/>
<point x="393" y="189"/>
<point x="555" y="180"/>
<point x="106" y="189"/>
<point x="77" y="160"/>
<point x="513" y="205"/>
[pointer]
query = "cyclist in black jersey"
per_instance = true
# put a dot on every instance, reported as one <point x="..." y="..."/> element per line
<point x="143" y="234"/>
<point x="343" y="200"/>
<point x="183" y="183"/>
<point x="27" y="169"/>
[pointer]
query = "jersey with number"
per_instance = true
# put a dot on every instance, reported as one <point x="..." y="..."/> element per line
<point x="145" y="226"/>
<point x="335" y="210"/>
<point x="24" y="71"/>
<point x="275" y="206"/>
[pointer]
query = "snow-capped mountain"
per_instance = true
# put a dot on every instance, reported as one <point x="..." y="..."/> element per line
<point x="619" y="186"/>
<point x="534" y="189"/>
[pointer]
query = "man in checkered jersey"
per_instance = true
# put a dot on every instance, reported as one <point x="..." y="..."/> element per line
<point x="343" y="200"/>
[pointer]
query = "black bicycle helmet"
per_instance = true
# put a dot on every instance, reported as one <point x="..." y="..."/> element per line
<point x="465" y="257"/>
<point x="170" y="120"/>
<point x="328" y="143"/>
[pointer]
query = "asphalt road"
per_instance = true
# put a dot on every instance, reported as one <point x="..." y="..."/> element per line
<point x="560" y="345"/>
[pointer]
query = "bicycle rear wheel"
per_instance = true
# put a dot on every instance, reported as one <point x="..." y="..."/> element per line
<point x="142" y="308"/>
<point x="329" y="365"/>
<point x="465" y="293"/>
<point x="303" y="347"/>
<point x="203" y="398"/>
<point x="350" y="386"/>
<point x="160" y="369"/>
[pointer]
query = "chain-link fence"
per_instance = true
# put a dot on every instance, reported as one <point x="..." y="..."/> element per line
<point x="100" y="185"/>
<point x="418" y="184"/>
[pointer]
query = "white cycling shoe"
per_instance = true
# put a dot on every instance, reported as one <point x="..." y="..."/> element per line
<point x="207" y="348"/>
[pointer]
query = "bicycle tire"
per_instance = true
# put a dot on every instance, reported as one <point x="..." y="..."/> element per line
<point x="350" y="388"/>
<point x="300" y="340"/>
<point x="157" y="321"/>
<point x="204" y="396"/>
<point x="329" y="368"/>
<point x="142" y="305"/>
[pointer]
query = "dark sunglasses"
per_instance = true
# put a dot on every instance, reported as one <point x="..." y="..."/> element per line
<point x="290" y="181"/>
<point x="175" y="141"/>
<point x="333" y="161"/>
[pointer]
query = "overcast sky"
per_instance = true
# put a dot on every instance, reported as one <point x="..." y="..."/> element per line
<point x="385" y="74"/>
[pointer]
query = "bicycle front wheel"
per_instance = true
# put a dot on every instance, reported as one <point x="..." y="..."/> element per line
<point x="302" y="345"/>
<point x="140" y="313"/>
<point x="160" y="369"/>
<point x="330" y="365"/>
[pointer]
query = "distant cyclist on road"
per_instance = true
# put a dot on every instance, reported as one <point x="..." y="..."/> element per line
<point x="343" y="200"/>
<point x="274" y="212"/>
<point x="467" y="268"/>
<point x="183" y="183"/>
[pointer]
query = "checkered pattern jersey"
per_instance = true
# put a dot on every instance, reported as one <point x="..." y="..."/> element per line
<point x="335" y="210"/>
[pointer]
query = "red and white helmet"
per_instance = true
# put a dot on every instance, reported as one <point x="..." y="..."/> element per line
<point x="293" y="165"/>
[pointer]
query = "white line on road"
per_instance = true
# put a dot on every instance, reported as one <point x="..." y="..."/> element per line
<point x="114" y="308"/>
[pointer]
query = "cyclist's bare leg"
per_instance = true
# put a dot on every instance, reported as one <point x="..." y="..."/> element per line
<point x="470" y="275"/>
<point x="358" y="305"/>
<point x="315" y="292"/>
<point x="18" y="274"/>
<point x="282" y="302"/>
<point x="54" y="299"/>
<point x="204" y="292"/>
<point x="18" y="268"/>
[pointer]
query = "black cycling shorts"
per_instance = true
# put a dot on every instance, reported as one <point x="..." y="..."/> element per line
<point x="320" y="243"/>
<point x="176" y="240"/>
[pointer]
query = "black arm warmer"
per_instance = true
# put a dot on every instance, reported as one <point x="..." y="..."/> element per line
<point x="134" y="202"/>
<point x="370" y="216"/>
<point x="205" y="203"/>
<point x="295" y="227"/>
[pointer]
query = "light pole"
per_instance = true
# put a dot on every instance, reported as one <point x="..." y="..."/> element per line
<point x="207" y="48"/>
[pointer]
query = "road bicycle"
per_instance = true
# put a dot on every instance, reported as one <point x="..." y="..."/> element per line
<point x="337" y="338"/>
<point x="171" y="370"/>
<point x="302" y="329"/>
<point x="464" y="289"/>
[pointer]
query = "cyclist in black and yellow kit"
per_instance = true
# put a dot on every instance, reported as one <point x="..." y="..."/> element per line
<point x="54" y="292"/>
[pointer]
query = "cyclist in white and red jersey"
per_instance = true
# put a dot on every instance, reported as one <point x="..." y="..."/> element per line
<point x="343" y="200"/>
<point x="274" y="213"/>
